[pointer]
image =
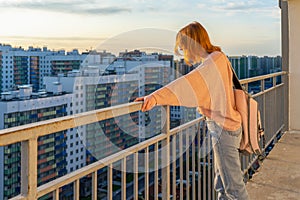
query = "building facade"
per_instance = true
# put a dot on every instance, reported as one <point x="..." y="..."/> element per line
<point x="22" y="107"/>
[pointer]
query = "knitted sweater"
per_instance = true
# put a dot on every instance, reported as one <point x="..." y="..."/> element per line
<point x="208" y="87"/>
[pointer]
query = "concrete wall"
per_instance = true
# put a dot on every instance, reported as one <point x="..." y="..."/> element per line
<point x="294" y="63"/>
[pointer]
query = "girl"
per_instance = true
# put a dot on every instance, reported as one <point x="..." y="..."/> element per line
<point x="209" y="87"/>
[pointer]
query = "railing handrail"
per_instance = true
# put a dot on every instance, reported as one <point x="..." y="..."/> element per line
<point x="262" y="77"/>
<point x="38" y="129"/>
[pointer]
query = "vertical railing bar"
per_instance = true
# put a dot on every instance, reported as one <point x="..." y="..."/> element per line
<point x="262" y="85"/>
<point x="264" y="108"/>
<point x="187" y="168"/>
<point x="174" y="166"/>
<point x="147" y="173"/>
<point x="76" y="190"/>
<point x="56" y="194"/>
<point x="136" y="175"/>
<point x="193" y="169"/>
<point x="94" y="185"/>
<point x="165" y="171"/>
<point x="245" y="162"/>
<point x="124" y="178"/>
<point x="156" y="170"/>
<point x="29" y="168"/>
<point x="181" y="165"/>
<point x="275" y="128"/>
<point x="209" y="167"/>
<point x="242" y="159"/>
<point x="274" y="81"/>
<point x="204" y="162"/>
<point x="198" y="160"/>
<point x="250" y="158"/>
<point x="213" y="174"/>
<point x="246" y="87"/>
<point x="110" y="182"/>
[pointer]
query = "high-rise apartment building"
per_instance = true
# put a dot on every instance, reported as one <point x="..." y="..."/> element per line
<point x="240" y="65"/>
<point x="22" y="107"/>
<point x="19" y="66"/>
<point x="249" y="66"/>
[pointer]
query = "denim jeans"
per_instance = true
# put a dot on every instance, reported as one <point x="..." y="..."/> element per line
<point x="228" y="182"/>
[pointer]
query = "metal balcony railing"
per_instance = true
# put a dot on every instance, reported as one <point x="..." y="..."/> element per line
<point x="177" y="163"/>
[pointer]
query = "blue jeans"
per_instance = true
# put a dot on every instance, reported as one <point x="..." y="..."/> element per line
<point x="228" y="181"/>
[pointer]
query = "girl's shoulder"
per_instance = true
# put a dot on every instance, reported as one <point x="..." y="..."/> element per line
<point x="218" y="57"/>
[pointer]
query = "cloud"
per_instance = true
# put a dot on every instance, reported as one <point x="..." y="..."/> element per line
<point x="252" y="6"/>
<point x="201" y="5"/>
<point x="89" y="7"/>
<point x="238" y="6"/>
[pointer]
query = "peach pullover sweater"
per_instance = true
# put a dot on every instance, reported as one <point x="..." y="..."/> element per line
<point x="208" y="87"/>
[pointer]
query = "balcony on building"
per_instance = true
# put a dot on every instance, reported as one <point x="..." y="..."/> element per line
<point x="178" y="163"/>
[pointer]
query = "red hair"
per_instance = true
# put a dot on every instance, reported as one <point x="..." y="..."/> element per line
<point x="190" y="39"/>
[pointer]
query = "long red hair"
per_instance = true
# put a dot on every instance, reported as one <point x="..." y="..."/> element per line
<point x="190" y="39"/>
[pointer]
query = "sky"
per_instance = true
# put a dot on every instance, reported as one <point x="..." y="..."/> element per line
<point x="240" y="27"/>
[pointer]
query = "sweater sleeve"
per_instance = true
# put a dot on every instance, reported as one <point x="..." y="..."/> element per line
<point x="190" y="90"/>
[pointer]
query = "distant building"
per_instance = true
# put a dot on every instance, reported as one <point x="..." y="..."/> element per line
<point x="250" y="66"/>
<point x="24" y="107"/>
<point x="19" y="66"/>
<point x="240" y="65"/>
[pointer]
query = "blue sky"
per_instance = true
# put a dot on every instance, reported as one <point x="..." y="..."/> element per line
<point x="238" y="26"/>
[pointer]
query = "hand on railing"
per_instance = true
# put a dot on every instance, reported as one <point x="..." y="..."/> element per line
<point x="149" y="102"/>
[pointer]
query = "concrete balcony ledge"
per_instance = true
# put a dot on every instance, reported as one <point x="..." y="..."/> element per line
<point x="279" y="176"/>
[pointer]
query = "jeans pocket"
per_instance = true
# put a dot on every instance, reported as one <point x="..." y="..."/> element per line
<point x="236" y="133"/>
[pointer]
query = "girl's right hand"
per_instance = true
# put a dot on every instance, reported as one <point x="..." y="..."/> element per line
<point x="149" y="102"/>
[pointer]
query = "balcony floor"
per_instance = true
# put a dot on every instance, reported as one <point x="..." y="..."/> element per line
<point x="279" y="176"/>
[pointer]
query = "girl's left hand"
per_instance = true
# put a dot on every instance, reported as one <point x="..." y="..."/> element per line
<point x="149" y="102"/>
